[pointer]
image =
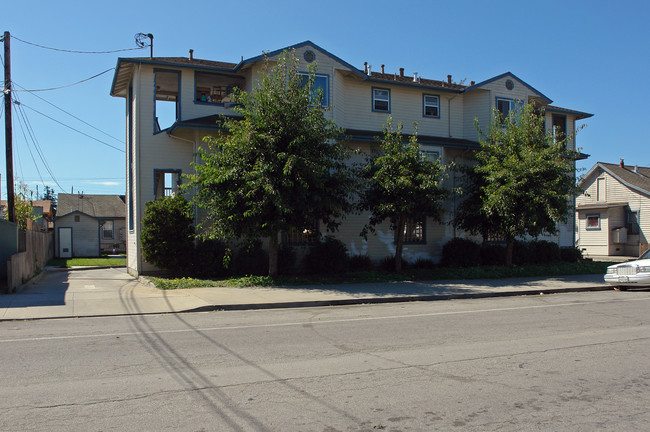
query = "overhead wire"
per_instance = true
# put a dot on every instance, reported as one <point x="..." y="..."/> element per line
<point x="76" y="130"/>
<point x="67" y="85"/>
<point x="20" y="123"/>
<point x="37" y="145"/>
<point x="72" y="115"/>
<point x="77" y="51"/>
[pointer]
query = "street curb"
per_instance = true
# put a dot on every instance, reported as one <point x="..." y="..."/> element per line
<point x="396" y="299"/>
<point x="346" y="302"/>
<point x="62" y="269"/>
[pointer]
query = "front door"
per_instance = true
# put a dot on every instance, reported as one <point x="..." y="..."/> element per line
<point x="65" y="242"/>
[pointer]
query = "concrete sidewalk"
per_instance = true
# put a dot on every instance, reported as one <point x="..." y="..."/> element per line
<point x="111" y="291"/>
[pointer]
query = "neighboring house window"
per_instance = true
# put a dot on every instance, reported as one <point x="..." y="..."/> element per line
<point x="381" y="100"/>
<point x="107" y="230"/>
<point x="215" y="88"/>
<point x="431" y="106"/>
<point x="77" y="218"/>
<point x="166" y="97"/>
<point x="559" y="127"/>
<point x="593" y="221"/>
<point x="321" y="84"/>
<point x="302" y="236"/>
<point x="414" y="232"/>
<point x="632" y="222"/>
<point x="504" y="107"/>
<point x="166" y="182"/>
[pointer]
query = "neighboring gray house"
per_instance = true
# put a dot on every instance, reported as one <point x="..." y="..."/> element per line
<point x="89" y="225"/>
<point x="613" y="215"/>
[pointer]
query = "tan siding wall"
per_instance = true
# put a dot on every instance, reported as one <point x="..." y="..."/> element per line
<point x="406" y="107"/>
<point x="476" y="104"/>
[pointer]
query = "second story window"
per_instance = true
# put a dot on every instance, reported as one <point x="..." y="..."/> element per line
<point x="504" y="107"/>
<point x="431" y="106"/>
<point x="166" y="91"/>
<point x="216" y="88"/>
<point x="559" y="127"/>
<point x="320" y="86"/>
<point x="381" y="100"/>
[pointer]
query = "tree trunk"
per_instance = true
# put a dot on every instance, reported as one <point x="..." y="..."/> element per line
<point x="399" y="244"/>
<point x="510" y="247"/>
<point x="273" y="254"/>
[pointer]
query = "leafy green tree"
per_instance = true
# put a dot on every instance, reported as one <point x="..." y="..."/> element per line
<point x="278" y="166"/>
<point x="400" y="184"/>
<point x="23" y="207"/>
<point x="167" y="234"/>
<point x="470" y="216"/>
<point x="527" y="176"/>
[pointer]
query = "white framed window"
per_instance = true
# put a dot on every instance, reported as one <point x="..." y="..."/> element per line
<point x="430" y="155"/>
<point x="504" y="107"/>
<point x="107" y="230"/>
<point x="381" y="100"/>
<point x="431" y="106"/>
<point x="593" y="221"/>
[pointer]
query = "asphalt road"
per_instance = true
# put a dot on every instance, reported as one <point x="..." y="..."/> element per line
<point x="567" y="362"/>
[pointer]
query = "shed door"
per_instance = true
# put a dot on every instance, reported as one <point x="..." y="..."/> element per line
<point x="65" y="242"/>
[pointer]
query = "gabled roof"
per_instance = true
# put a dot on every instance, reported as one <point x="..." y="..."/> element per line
<point x="297" y="46"/>
<point x="511" y="75"/>
<point x="97" y="206"/>
<point x="639" y="180"/>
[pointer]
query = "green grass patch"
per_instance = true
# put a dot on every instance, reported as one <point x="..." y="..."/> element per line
<point x="439" y="273"/>
<point x="87" y="262"/>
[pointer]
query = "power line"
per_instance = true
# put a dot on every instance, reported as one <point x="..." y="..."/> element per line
<point x="76" y="130"/>
<point x="76" y="51"/>
<point x="72" y="115"/>
<point x="37" y="146"/>
<point x="20" y="123"/>
<point x="67" y="85"/>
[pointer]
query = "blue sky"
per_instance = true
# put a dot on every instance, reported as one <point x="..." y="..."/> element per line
<point x="591" y="56"/>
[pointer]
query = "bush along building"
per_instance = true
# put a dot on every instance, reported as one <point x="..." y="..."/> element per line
<point x="172" y="103"/>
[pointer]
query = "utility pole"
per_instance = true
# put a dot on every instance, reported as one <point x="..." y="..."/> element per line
<point x="8" y="132"/>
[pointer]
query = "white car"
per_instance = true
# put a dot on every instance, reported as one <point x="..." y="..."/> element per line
<point x="631" y="273"/>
